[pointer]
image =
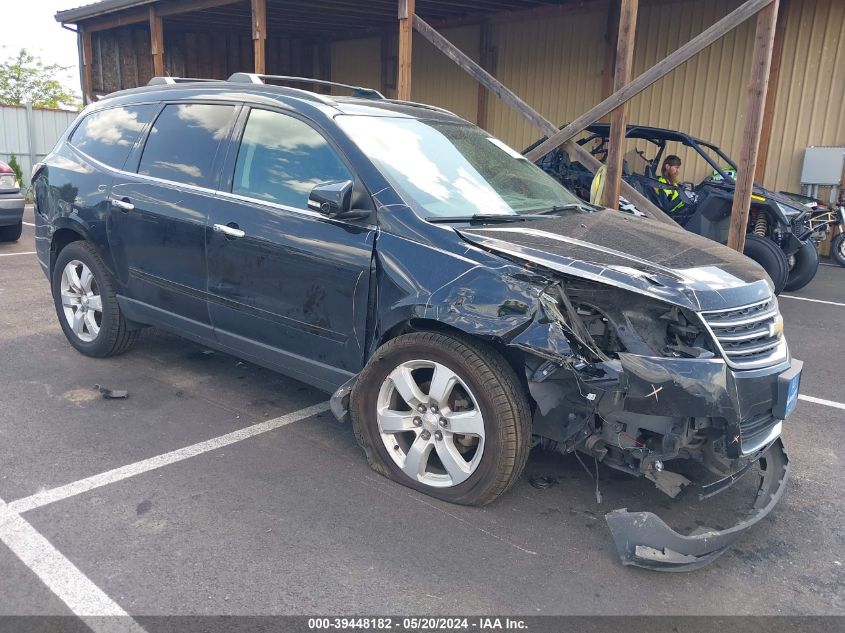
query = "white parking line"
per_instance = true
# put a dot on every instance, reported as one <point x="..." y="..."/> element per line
<point x="831" y="303"/>
<point x="10" y="254"/>
<point x="827" y="403"/>
<point x="29" y="223"/>
<point x="85" y="599"/>
<point x="96" y="481"/>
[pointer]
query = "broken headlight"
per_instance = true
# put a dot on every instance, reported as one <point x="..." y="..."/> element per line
<point x="602" y="321"/>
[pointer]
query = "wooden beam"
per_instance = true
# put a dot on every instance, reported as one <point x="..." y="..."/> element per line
<point x="764" y="40"/>
<point x="157" y="42"/>
<point x="87" y="60"/>
<point x="660" y="69"/>
<point x="575" y="151"/>
<point x="406" y="38"/>
<point x="619" y="117"/>
<point x="259" y="34"/>
<point x="189" y="6"/>
<point x="122" y="19"/>
<point x="771" y="92"/>
<point x="488" y="61"/>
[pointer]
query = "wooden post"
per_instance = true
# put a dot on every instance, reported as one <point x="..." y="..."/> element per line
<point x="87" y="60"/>
<point x="406" y="36"/>
<point x="259" y="34"/>
<point x="611" y="39"/>
<point x="157" y="42"/>
<point x="535" y="118"/>
<point x="764" y="39"/>
<point x="660" y="69"/>
<point x="619" y="117"/>
<point x="772" y="92"/>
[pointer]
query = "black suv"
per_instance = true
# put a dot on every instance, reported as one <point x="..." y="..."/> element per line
<point x="460" y="304"/>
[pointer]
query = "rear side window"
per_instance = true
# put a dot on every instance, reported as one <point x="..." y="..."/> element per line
<point x="108" y="135"/>
<point x="183" y="142"/>
<point x="281" y="159"/>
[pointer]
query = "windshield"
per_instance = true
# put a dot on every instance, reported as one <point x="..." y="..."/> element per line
<point x="452" y="169"/>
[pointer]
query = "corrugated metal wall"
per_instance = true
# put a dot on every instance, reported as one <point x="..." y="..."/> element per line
<point x="556" y="63"/>
<point x="810" y="105"/>
<point x="443" y="83"/>
<point x="47" y="127"/>
<point x="357" y="62"/>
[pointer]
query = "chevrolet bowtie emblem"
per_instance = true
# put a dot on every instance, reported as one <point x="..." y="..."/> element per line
<point x="776" y="327"/>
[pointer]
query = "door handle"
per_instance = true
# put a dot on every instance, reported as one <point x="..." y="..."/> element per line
<point x="228" y="231"/>
<point x="123" y="205"/>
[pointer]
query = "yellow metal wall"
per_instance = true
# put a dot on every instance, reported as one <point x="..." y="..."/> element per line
<point x="810" y="105"/>
<point x="556" y="63"/>
<point x="441" y="82"/>
<point x="357" y="62"/>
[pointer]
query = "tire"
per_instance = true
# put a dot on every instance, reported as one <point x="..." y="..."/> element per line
<point x="769" y="255"/>
<point x="94" y="332"/>
<point x="11" y="232"/>
<point x="485" y="398"/>
<point x="805" y="268"/>
<point x="837" y="249"/>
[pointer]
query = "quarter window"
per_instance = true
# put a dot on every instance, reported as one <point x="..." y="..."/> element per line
<point x="281" y="159"/>
<point x="108" y="135"/>
<point x="184" y="141"/>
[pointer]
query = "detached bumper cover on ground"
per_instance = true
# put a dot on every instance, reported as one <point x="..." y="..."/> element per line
<point x="644" y="540"/>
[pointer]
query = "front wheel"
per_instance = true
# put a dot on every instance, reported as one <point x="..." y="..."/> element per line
<point x="837" y="249"/>
<point x="770" y="256"/>
<point x="804" y="268"/>
<point x="443" y="415"/>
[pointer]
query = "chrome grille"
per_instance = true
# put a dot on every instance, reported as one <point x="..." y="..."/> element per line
<point x="750" y="336"/>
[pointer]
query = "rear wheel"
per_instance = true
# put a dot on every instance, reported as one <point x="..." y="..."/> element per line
<point x="86" y="303"/>
<point x="443" y="415"/>
<point x="805" y="265"/>
<point x="837" y="249"/>
<point x="769" y="255"/>
<point x="11" y="233"/>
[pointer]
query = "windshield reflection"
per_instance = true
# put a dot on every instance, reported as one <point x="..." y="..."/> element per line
<point x="453" y="169"/>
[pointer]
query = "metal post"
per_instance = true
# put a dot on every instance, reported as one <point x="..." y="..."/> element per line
<point x="30" y="136"/>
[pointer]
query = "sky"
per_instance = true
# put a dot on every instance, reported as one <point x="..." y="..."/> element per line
<point x="32" y="25"/>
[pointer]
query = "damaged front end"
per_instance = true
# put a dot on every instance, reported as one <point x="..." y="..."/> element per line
<point x="636" y="383"/>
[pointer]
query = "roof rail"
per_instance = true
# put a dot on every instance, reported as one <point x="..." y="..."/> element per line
<point x="161" y="81"/>
<point x="357" y="91"/>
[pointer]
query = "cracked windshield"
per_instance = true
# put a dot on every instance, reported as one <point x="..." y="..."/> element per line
<point x="453" y="170"/>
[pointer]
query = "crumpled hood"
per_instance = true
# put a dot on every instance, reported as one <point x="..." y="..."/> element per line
<point x="625" y="251"/>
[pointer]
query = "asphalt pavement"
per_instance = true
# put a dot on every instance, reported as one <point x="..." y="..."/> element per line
<point x="218" y="487"/>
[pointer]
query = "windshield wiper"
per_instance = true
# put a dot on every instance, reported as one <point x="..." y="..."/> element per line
<point x="488" y="218"/>
<point x="572" y="206"/>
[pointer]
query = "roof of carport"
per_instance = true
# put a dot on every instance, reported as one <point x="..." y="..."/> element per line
<point x="313" y="16"/>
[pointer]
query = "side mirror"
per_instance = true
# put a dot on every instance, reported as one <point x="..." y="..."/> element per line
<point x="332" y="198"/>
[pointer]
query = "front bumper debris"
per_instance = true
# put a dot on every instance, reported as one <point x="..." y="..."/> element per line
<point x="642" y="539"/>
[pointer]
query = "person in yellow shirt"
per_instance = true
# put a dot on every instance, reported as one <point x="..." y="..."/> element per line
<point x="670" y="200"/>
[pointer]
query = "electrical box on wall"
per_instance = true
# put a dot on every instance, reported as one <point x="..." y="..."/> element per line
<point x="823" y="166"/>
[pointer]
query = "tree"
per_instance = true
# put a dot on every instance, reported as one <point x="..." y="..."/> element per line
<point x="24" y="78"/>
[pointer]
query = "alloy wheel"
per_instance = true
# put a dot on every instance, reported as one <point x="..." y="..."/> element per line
<point x="430" y="423"/>
<point x="81" y="301"/>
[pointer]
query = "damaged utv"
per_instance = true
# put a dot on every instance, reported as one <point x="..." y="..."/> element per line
<point x="461" y="304"/>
